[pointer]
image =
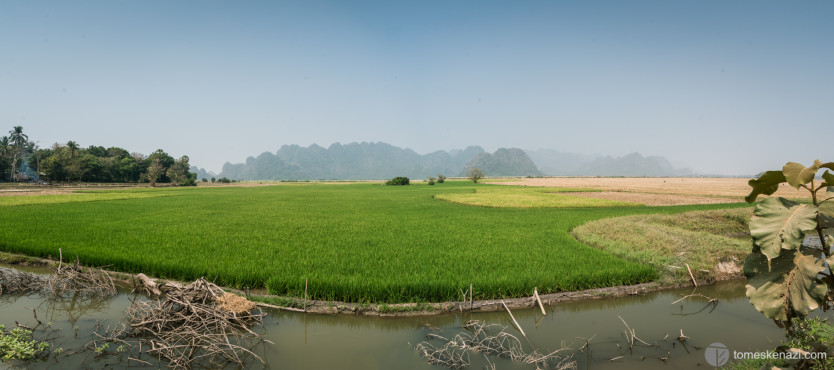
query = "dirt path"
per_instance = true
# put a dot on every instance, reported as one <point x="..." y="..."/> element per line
<point x="658" y="191"/>
<point x="651" y="199"/>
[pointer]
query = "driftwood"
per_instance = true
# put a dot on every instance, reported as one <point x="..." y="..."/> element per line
<point x="151" y="288"/>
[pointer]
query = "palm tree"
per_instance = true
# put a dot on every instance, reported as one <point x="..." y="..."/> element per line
<point x="17" y="137"/>
<point x="5" y="148"/>
<point x="73" y="148"/>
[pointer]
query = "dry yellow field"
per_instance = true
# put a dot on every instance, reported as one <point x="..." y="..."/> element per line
<point x="659" y="191"/>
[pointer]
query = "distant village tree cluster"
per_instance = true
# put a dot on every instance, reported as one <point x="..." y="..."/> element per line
<point x="22" y="160"/>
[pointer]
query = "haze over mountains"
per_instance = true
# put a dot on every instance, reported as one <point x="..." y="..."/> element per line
<point x="377" y="160"/>
<point x="555" y="163"/>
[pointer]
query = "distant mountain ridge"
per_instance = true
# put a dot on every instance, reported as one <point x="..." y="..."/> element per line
<point x="374" y="161"/>
<point x="202" y="173"/>
<point x="504" y="162"/>
<point x="555" y="163"/>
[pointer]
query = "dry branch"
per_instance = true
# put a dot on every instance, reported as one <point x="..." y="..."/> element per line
<point x="513" y="317"/>
<point x="198" y="325"/>
<point x="690" y="275"/>
<point x="16" y="282"/>
<point x="536" y="295"/>
<point x="709" y="299"/>
<point x="483" y="338"/>
<point x="77" y="279"/>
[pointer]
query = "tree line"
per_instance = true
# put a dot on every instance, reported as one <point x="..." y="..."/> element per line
<point x="22" y="160"/>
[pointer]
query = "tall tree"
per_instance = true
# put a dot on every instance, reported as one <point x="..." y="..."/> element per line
<point x="178" y="172"/>
<point x="155" y="170"/>
<point x="73" y="148"/>
<point x="19" y="142"/>
<point x="17" y="137"/>
<point x="5" y="155"/>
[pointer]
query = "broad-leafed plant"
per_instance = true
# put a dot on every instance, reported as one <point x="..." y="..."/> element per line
<point x="785" y="278"/>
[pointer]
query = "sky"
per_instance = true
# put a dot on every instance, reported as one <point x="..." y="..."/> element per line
<point x="721" y="87"/>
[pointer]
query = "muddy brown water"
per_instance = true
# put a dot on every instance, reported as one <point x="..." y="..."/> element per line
<point x="309" y="341"/>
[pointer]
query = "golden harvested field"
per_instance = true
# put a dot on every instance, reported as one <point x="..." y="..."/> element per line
<point x="659" y="191"/>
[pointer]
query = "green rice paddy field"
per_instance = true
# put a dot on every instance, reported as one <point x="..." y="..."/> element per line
<point x="359" y="242"/>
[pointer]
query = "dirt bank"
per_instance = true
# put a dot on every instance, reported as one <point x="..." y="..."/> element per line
<point x="386" y="310"/>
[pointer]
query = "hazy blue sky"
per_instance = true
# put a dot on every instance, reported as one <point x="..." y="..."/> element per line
<point x="721" y="86"/>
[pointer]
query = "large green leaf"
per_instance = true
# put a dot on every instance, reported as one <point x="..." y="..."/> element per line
<point x="786" y="285"/>
<point x="798" y="175"/>
<point x="778" y="223"/>
<point x="766" y="184"/>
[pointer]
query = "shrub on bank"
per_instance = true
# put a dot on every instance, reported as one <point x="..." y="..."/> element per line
<point x="399" y="180"/>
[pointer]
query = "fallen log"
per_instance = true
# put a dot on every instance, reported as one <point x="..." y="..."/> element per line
<point x="150" y="286"/>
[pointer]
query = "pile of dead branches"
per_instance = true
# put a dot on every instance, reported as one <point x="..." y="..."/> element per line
<point x="76" y="279"/>
<point x="198" y="325"/>
<point x="450" y="355"/>
<point x="489" y="339"/>
<point x="15" y="282"/>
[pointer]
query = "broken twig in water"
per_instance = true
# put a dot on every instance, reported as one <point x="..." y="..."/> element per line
<point x="710" y="299"/>
<point x="513" y="317"/>
<point x="690" y="275"/>
<point x="630" y="335"/>
<point x="682" y="338"/>
<point x="536" y="295"/>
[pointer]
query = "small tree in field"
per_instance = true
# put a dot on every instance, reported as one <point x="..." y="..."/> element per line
<point x="399" y="180"/>
<point x="441" y="179"/>
<point x="155" y="171"/>
<point x="475" y="174"/>
<point x="786" y="279"/>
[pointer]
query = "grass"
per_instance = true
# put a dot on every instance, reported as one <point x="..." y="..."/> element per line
<point x="811" y="335"/>
<point x="277" y="301"/>
<point x="701" y="239"/>
<point x="355" y="243"/>
<point x="421" y="306"/>
<point x="528" y="197"/>
<point x="80" y="197"/>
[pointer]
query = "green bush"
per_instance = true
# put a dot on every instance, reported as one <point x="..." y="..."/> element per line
<point x="18" y="344"/>
<point x="441" y="179"/>
<point x="399" y="180"/>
